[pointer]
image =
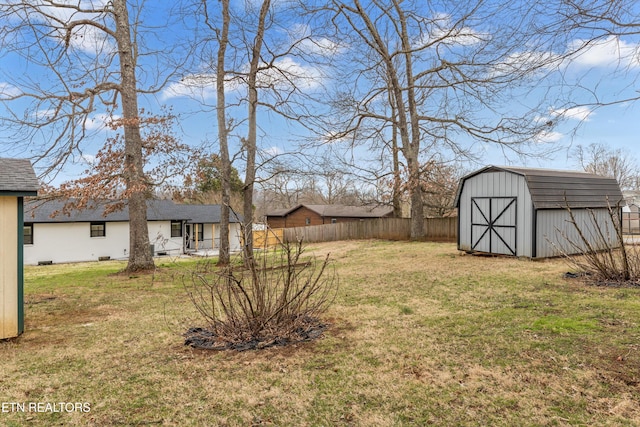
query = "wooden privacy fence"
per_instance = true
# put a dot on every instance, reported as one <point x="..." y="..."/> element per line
<point x="267" y="238"/>
<point x="436" y="229"/>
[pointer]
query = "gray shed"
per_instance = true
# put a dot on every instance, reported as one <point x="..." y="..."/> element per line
<point x="523" y="211"/>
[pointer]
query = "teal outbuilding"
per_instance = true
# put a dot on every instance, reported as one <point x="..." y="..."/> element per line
<point x="17" y="181"/>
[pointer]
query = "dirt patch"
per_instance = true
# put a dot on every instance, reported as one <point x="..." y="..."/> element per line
<point x="206" y="339"/>
<point x="589" y="279"/>
<point x="619" y="368"/>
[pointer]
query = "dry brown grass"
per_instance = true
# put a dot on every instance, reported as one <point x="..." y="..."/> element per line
<point x="420" y="335"/>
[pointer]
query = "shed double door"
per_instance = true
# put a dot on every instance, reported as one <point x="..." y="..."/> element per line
<point x="494" y="225"/>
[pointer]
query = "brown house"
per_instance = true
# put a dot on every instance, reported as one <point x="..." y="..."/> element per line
<point x="303" y="215"/>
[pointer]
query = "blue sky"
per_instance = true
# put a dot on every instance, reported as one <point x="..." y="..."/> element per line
<point x="599" y="67"/>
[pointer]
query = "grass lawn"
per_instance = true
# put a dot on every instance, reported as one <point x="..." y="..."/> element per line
<point x="420" y="335"/>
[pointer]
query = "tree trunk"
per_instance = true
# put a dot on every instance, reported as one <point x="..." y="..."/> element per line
<point x="140" y="257"/>
<point x="251" y="141"/>
<point x="396" y="190"/>
<point x="224" y="256"/>
<point x="397" y="180"/>
<point x="415" y="191"/>
<point x="413" y="149"/>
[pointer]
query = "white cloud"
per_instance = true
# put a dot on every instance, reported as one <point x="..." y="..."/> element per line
<point x="286" y="74"/>
<point x="8" y="91"/>
<point x="197" y="86"/>
<point x="256" y="4"/>
<point x="45" y="114"/>
<point x="548" y="137"/>
<point x="273" y="151"/>
<point x="301" y="34"/>
<point x="321" y="46"/>
<point x="443" y="32"/>
<point x="607" y="52"/>
<point x="336" y="137"/>
<point x="91" y="40"/>
<point x="90" y="159"/>
<point x="85" y="38"/>
<point x="201" y="86"/>
<point x="575" y="113"/>
<point x="525" y="62"/>
<point x="100" y="121"/>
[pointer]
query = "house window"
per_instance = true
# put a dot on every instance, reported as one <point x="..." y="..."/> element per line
<point x="334" y="220"/>
<point x="307" y="221"/>
<point x="28" y="233"/>
<point x="98" y="229"/>
<point x="176" y="228"/>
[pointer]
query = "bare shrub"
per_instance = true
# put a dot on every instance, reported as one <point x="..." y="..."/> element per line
<point x="273" y="299"/>
<point x="591" y="251"/>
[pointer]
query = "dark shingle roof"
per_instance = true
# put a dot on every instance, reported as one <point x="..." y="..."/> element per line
<point x="553" y="189"/>
<point x="17" y="175"/>
<point x="339" y="211"/>
<point x="278" y="212"/>
<point x="157" y="210"/>
<point x="351" y="211"/>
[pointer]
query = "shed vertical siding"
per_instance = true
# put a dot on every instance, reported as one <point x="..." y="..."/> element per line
<point x="8" y="267"/>
<point x="555" y="231"/>
<point x="497" y="184"/>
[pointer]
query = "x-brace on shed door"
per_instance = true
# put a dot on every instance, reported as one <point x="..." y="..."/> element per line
<point x="493" y="225"/>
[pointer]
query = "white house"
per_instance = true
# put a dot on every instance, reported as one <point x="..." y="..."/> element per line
<point x="89" y="235"/>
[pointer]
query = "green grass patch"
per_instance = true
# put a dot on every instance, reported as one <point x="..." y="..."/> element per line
<point x="560" y="325"/>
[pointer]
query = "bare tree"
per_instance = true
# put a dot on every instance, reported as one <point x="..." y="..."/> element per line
<point x="250" y="143"/>
<point x="431" y="77"/>
<point x="601" y="159"/>
<point x="601" y="38"/>
<point x="258" y="72"/>
<point x="220" y="26"/>
<point x="84" y="59"/>
<point x="225" y="162"/>
<point x="278" y="192"/>
<point x="439" y="185"/>
<point x="318" y="179"/>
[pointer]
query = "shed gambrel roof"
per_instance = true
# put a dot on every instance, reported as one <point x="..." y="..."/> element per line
<point x="557" y="189"/>
<point x="339" y="211"/>
<point x="40" y="211"/>
<point x="17" y="176"/>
